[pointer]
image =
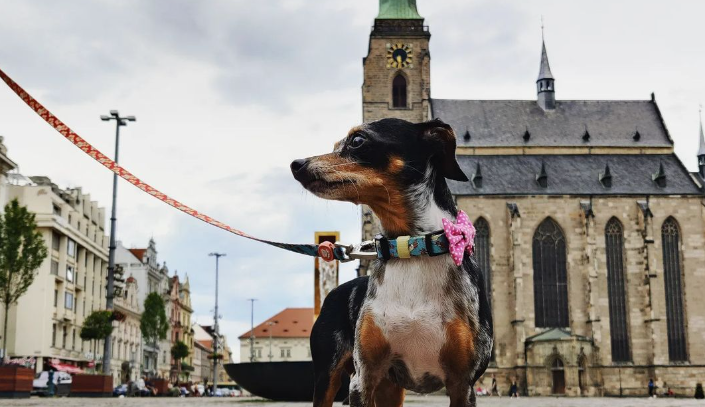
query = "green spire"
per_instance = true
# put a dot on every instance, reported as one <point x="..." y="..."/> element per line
<point x="398" y="10"/>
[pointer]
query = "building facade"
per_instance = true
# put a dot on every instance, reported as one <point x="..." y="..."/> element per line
<point x="205" y="335"/>
<point x="141" y="264"/>
<point x="46" y="322"/>
<point x="127" y="336"/>
<point x="590" y="231"/>
<point x="281" y="338"/>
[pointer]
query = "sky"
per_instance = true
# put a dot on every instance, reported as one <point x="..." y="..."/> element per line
<point x="228" y="92"/>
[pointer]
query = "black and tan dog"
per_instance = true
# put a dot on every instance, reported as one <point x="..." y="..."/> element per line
<point x="420" y="323"/>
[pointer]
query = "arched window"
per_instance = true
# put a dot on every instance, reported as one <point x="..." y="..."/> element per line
<point x="399" y="91"/>
<point x="675" y="321"/>
<point x="614" y="246"/>
<point x="482" y="254"/>
<point x="550" y="276"/>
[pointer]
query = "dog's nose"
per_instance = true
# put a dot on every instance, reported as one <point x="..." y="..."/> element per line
<point x="297" y="165"/>
<point x="300" y="171"/>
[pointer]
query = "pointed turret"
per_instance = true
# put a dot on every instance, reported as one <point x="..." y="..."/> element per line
<point x="545" y="82"/>
<point x="701" y="151"/>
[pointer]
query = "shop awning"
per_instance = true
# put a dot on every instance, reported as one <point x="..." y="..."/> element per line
<point x="63" y="367"/>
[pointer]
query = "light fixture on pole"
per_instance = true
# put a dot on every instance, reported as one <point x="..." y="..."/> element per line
<point x="109" y="292"/>
<point x="216" y="333"/>
<point x="252" y="330"/>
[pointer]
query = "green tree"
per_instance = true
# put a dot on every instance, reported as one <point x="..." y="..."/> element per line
<point x="179" y="351"/>
<point x="98" y="325"/>
<point x="153" y="322"/>
<point x="22" y="251"/>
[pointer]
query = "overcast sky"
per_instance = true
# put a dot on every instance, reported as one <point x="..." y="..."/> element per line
<point x="227" y="93"/>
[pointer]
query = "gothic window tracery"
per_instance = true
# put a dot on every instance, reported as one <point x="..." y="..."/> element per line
<point x="672" y="278"/>
<point x="619" y="334"/>
<point x="550" y="276"/>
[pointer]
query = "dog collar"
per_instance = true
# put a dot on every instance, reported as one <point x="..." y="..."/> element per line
<point x="404" y="247"/>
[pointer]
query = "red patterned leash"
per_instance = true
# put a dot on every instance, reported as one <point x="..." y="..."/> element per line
<point x="328" y="252"/>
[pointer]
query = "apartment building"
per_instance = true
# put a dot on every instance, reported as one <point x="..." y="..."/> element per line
<point x="70" y="284"/>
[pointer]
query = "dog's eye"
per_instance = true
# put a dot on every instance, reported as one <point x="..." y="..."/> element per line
<point x="357" y="141"/>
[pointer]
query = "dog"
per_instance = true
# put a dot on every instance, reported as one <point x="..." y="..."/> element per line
<point x="420" y="323"/>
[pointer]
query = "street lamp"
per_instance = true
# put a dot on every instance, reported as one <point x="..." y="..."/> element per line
<point x="119" y="122"/>
<point x="252" y="331"/>
<point x="215" y="324"/>
<point x="271" y="324"/>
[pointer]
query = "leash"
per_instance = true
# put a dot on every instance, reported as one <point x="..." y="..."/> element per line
<point x="431" y="244"/>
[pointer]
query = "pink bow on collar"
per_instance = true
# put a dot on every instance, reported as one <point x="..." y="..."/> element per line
<point x="461" y="236"/>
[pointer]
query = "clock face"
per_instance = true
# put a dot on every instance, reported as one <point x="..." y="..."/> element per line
<point x="399" y="56"/>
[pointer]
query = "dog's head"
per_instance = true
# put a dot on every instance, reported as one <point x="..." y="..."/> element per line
<point x="384" y="164"/>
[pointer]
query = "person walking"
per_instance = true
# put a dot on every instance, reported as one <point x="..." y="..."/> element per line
<point x="514" y="390"/>
<point x="651" y="388"/>
<point x="494" y="389"/>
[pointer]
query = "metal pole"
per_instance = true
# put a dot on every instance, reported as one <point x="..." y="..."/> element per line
<point x="215" y="324"/>
<point x="252" y="330"/>
<point x="110" y="286"/>
<point x="270" y="324"/>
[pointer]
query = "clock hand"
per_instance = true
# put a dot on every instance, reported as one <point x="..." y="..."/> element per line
<point x="399" y="60"/>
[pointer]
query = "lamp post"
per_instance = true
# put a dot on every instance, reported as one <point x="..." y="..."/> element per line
<point x="271" y="324"/>
<point x="107" y="346"/>
<point x="215" y="324"/>
<point x="252" y="330"/>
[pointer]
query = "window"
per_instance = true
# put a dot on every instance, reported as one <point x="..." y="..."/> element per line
<point x="56" y="297"/>
<point x="286" y="352"/>
<point x="63" y="338"/>
<point x="53" y="335"/>
<point x="55" y="267"/>
<point x="399" y="91"/>
<point x="164" y="357"/>
<point x="619" y="335"/>
<point x="71" y="248"/>
<point x="69" y="273"/>
<point x="482" y="254"/>
<point x="55" y="240"/>
<point x="57" y="209"/>
<point x="68" y="300"/>
<point x="550" y="276"/>
<point x="73" y="339"/>
<point x="675" y="318"/>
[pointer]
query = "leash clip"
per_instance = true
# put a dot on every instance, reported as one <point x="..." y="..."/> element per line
<point x="362" y="251"/>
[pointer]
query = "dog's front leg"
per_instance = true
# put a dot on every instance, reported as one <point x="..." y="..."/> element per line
<point x="372" y="356"/>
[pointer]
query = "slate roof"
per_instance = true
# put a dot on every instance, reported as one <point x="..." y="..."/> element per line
<point x="502" y="123"/>
<point x="574" y="175"/>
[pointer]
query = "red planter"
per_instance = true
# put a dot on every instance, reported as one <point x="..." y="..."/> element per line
<point x="15" y="382"/>
<point x="85" y="385"/>
<point x="162" y="386"/>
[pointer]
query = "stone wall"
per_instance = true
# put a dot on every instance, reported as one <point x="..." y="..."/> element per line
<point x="513" y="297"/>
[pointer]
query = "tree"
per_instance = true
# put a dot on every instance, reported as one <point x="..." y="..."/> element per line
<point x="22" y="251"/>
<point x="153" y="322"/>
<point x="178" y="352"/>
<point x="98" y="325"/>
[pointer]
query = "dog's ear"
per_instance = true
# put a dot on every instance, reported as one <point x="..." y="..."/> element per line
<point x="441" y="139"/>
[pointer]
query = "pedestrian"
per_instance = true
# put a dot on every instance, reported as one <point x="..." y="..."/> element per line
<point x="50" y="382"/>
<point x="699" y="393"/>
<point x="494" y="388"/>
<point x="651" y="388"/>
<point x="514" y="390"/>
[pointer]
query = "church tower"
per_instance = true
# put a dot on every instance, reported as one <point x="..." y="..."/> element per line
<point x="397" y="78"/>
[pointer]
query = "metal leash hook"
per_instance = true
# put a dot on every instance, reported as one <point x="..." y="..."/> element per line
<point x="361" y="251"/>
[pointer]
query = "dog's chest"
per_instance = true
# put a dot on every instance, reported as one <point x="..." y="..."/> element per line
<point x="411" y="307"/>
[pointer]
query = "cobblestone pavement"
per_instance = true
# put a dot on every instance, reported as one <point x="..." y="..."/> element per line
<point x="432" y="401"/>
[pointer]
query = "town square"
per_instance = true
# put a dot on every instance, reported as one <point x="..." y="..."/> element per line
<point x="285" y="202"/>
